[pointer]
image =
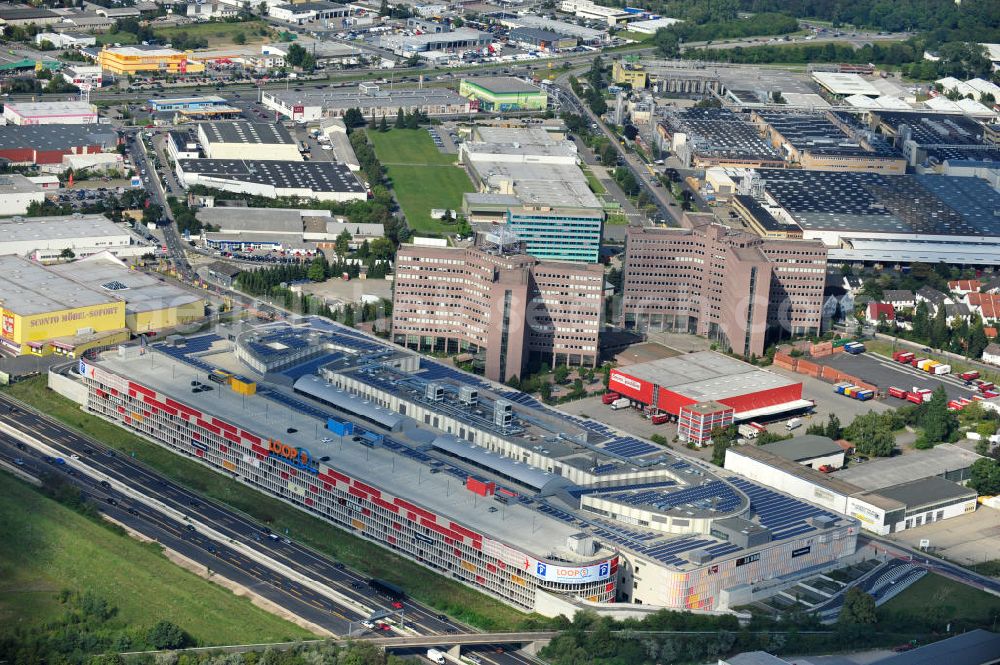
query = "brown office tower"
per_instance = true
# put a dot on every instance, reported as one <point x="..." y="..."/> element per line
<point x="497" y="302"/>
<point x="735" y="288"/>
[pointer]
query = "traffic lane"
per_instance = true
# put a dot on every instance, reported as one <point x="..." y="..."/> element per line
<point x="125" y="469"/>
<point x="185" y="539"/>
<point x="885" y="372"/>
<point x="935" y="565"/>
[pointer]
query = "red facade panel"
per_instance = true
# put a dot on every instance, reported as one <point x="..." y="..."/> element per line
<point x="631" y="387"/>
<point x="366" y="488"/>
<point x="764" y="398"/>
<point x="672" y="402"/>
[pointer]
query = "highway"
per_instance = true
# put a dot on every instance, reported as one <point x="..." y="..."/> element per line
<point x="241" y="549"/>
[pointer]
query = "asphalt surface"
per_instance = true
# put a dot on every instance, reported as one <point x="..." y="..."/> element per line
<point x="885" y="372"/>
<point x="235" y="527"/>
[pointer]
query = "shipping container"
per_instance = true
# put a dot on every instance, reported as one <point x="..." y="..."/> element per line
<point x="916" y="398"/>
<point x="969" y="376"/>
<point x="942" y="369"/>
<point x="854" y="348"/>
<point x="864" y="395"/>
<point x="339" y="428"/>
<point x="660" y="418"/>
<point x="898" y="393"/>
<point x="902" y="356"/>
<point x="608" y="398"/>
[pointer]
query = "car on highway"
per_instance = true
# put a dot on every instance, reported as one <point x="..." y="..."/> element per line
<point x="18" y="461"/>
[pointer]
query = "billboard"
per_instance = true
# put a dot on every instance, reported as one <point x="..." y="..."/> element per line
<point x="631" y="387"/>
<point x="551" y="572"/>
<point x="8" y="325"/>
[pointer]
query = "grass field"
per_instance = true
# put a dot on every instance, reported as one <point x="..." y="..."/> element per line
<point x="435" y="590"/>
<point x="595" y="185"/>
<point x="217" y="34"/>
<point x="47" y="548"/>
<point x="634" y="36"/>
<point x="116" y="38"/>
<point x="963" y="601"/>
<point x="885" y="347"/>
<point x="422" y="176"/>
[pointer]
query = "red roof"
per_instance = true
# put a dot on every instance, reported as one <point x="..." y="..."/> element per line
<point x="877" y="310"/>
<point x="987" y="303"/>
<point x="964" y="285"/>
<point x="991" y="332"/>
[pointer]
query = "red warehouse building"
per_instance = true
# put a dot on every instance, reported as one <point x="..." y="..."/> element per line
<point x="48" y="144"/>
<point x="737" y="388"/>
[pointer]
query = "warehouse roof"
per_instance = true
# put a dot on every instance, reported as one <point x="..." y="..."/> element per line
<point x="249" y="133"/>
<point x="889" y="472"/>
<point x="56" y="137"/>
<point x="706" y="375"/>
<point x="534" y="34"/>
<point x="25" y="13"/>
<point x="31" y="109"/>
<point x="26" y="229"/>
<point x="142" y="50"/>
<point x="15" y="183"/>
<point x="927" y="491"/>
<point x="805" y="447"/>
<point x="28" y="288"/>
<point x="315" y="176"/>
<point x="343" y="99"/>
<point x="141" y="292"/>
<point x="208" y="99"/>
<point x="502" y="85"/>
<point x="845" y="84"/>
<point x="256" y="220"/>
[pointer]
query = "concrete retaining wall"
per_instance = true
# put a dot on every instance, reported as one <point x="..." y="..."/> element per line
<point x="68" y="388"/>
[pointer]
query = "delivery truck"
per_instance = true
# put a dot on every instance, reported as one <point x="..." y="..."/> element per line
<point x="621" y="403"/>
<point x="435" y="656"/>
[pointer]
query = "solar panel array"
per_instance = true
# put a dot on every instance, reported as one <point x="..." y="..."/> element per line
<point x="629" y="446"/>
<point x="282" y="174"/>
<point x="784" y="516"/>
<point x="114" y="285"/>
<point x="712" y="495"/>
<point x="192" y="345"/>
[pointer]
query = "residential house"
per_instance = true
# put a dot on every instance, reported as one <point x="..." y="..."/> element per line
<point x="962" y="286"/>
<point x="853" y="284"/>
<point x="933" y="298"/>
<point x="987" y="305"/>
<point x="879" y="311"/>
<point x="899" y="298"/>
<point x="958" y="310"/>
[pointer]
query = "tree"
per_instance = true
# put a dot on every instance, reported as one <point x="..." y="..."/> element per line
<point x="560" y="373"/>
<point x="977" y="339"/>
<point x="400" y="119"/>
<point x="937" y="421"/>
<point x="545" y="391"/>
<point x="985" y="476"/>
<point x="939" y="328"/>
<point x="858" y="608"/>
<point x="871" y="434"/>
<point x="383" y="126"/>
<point x="922" y="322"/>
<point x="352" y="117"/>
<point x="67" y="253"/>
<point x="833" y="428"/>
<point x="667" y="43"/>
<point x="342" y="245"/>
<point x="722" y="439"/>
<point x="349" y="316"/>
<point x="239" y="38"/>
<point x="631" y="131"/>
<point x="166" y="635"/>
<point x="317" y="269"/>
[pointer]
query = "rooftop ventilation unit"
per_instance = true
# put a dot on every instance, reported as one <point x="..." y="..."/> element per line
<point x="468" y="396"/>
<point x="434" y="392"/>
<point x="503" y="413"/>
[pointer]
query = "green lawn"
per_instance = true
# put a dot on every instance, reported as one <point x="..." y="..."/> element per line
<point x="961" y="601"/>
<point x="595" y="185"/>
<point x="885" y="347"/>
<point x="48" y="547"/>
<point x="634" y="36"/>
<point x="447" y="596"/>
<point x="422" y="176"/>
<point x="217" y="33"/>
<point x="116" y="38"/>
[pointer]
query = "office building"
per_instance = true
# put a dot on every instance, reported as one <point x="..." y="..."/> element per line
<point x="496" y="301"/>
<point x="83" y="77"/>
<point x="734" y="288"/>
<point x="557" y="234"/>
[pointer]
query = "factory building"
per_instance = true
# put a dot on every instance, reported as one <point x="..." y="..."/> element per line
<point x="324" y="181"/>
<point x="446" y="469"/>
<point x="513" y="309"/>
<point x="17" y="193"/>
<point x="83" y="77"/>
<point x="450" y="42"/>
<point x="130" y="60"/>
<point x="504" y="93"/>
<point x="732" y="287"/>
<point x="49" y="113"/>
<point x="45" y="238"/>
<point x="311" y="105"/>
<point x="613" y="16"/>
<point x="248" y="141"/>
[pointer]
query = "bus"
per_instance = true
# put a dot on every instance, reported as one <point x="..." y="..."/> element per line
<point x="387" y="589"/>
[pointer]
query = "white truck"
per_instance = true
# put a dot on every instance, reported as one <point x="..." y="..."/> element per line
<point x="793" y="423"/>
<point x="435" y="656"/>
<point x="621" y="403"/>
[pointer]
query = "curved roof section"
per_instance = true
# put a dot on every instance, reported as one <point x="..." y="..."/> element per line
<point x="315" y="387"/>
<point x="530" y="476"/>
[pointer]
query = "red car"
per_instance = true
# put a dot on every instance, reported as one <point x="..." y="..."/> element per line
<point x="396" y="605"/>
<point x="383" y="626"/>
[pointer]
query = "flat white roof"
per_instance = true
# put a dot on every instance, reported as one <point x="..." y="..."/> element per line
<point x="28" y="288"/>
<point x="706" y="376"/>
<point x="940" y="459"/>
<point x="845" y="84"/>
<point x="24" y="229"/>
<point x="51" y="108"/>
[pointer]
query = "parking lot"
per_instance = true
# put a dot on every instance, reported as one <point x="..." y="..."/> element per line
<point x="966" y="539"/>
<point x="884" y="372"/>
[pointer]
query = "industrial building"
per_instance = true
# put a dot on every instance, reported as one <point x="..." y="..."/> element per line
<point x="286" y="229"/>
<point x="49" y="113"/>
<point x="583" y="34"/>
<point x="28" y="16"/>
<point x="705" y="390"/>
<point x="891" y="507"/>
<point x="512" y="310"/>
<point x="17" y="193"/>
<point x="716" y="137"/>
<point x="735" y="288"/>
<point x="50" y="144"/>
<point x="449" y="43"/>
<point x="613" y="16"/>
<point x="251" y="141"/>
<point x="324" y="181"/>
<point x="45" y="238"/>
<point x="503" y="93"/>
<point x="130" y="60"/>
<point x="302" y="12"/>
<point x="816" y="452"/>
<point x="539" y="38"/>
<point x="311" y="105"/>
<point x="83" y="77"/>
<point x="467" y="478"/>
<point x="829" y="141"/>
<point x="150" y="304"/>
<point x="650" y="26"/>
<point x="935" y="139"/>
<point x="841" y="84"/>
<point x="206" y="103"/>
<point x="46" y="313"/>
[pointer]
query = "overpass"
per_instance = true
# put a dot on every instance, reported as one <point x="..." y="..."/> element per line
<point x="459" y="639"/>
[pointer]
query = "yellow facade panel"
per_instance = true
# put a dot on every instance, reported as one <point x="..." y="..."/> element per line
<point x="358" y="524"/>
<point x="66" y="323"/>
<point x="517" y="579"/>
<point x="469" y="566"/>
<point x="228" y="466"/>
